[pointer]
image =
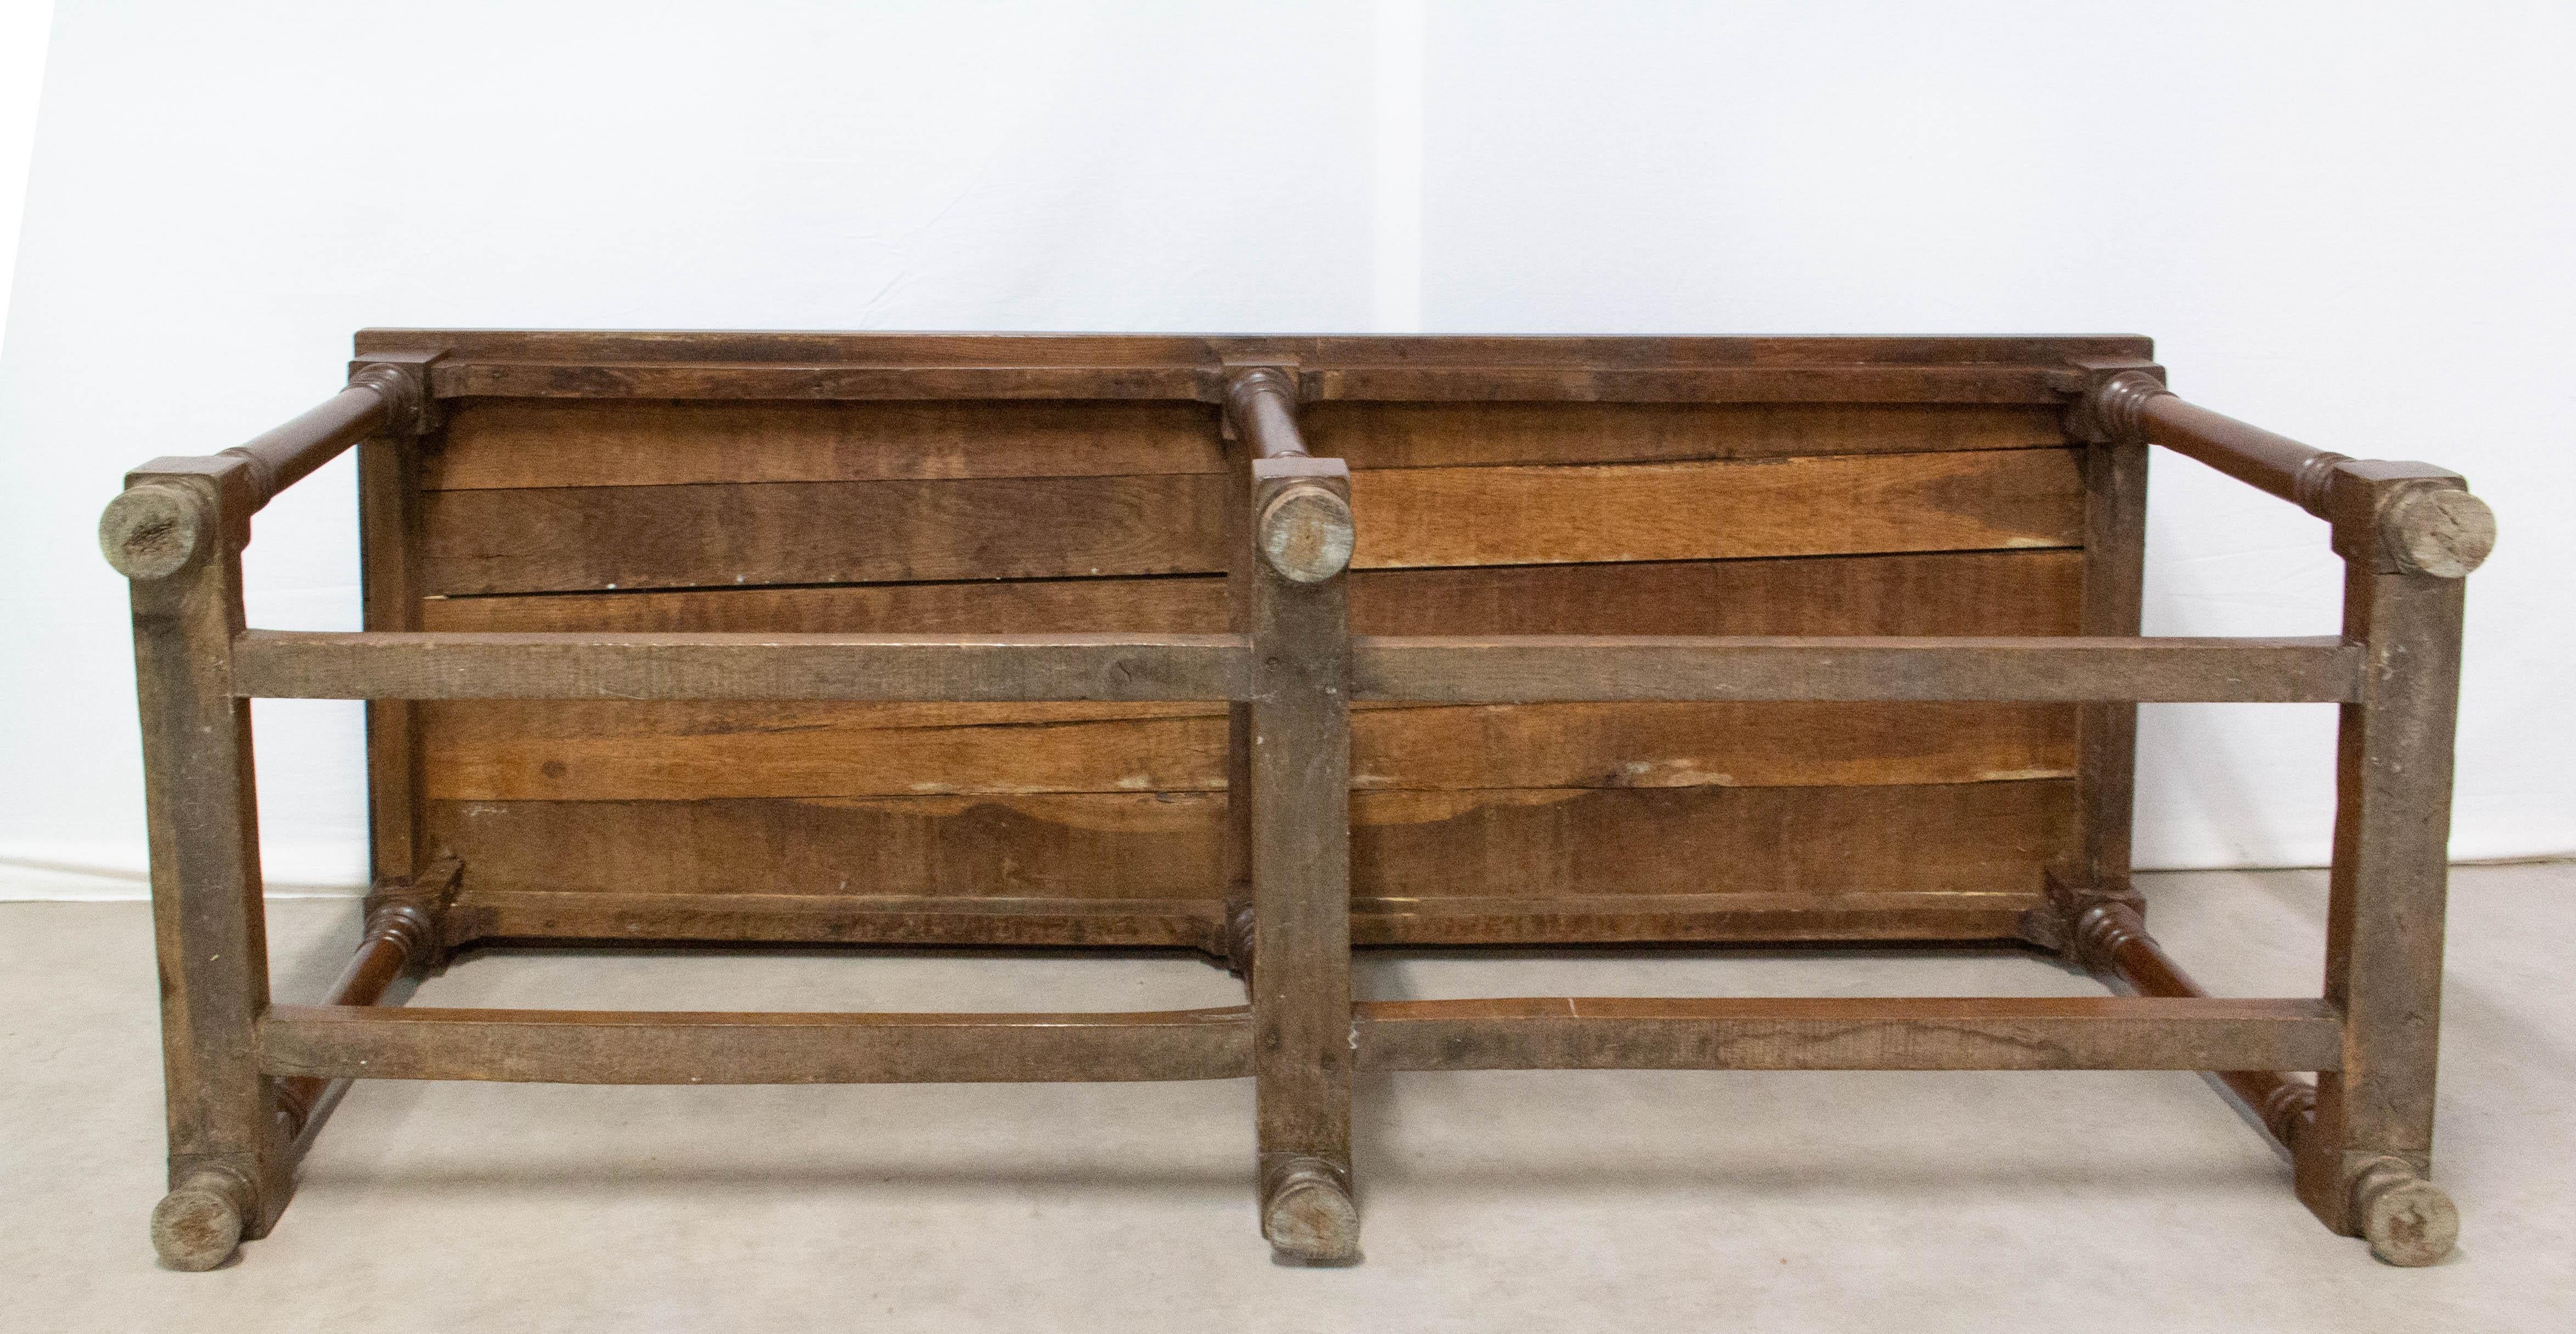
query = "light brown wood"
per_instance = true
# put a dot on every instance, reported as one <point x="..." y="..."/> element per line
<point x="1693" y="511"/>
<point x="308" y="664"/>
<point x="1533" y="843"/>
<point x="683" y="1047"/>
<point x="600" y="750"/>
<point x="1515" y="669"/>
<point x="1845" y="1033"/>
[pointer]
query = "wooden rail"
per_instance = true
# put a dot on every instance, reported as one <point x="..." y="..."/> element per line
<point x="1518" y="669"/>
<point x="297" y="664"/>
<point x="1838" y="1033"/>
<point x="282" y="664"/>
<point x="1847" y="1033"/>
<point x="683" y="1047"/>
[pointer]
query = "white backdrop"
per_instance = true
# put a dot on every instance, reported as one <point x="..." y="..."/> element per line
<point x="2349" y="224"/>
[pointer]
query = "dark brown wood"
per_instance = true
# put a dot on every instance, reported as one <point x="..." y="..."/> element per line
<point x="1844" y="1033"/>
<point x="1301" y="889"/>
<point x="229" y="1169"/>
<point x="683" y="1047"/>
<point x="1521" y="669"/>
<point x="599" y="538"/>
<point x="2112" y="939"/>
<point x="306" y="664"/>
<point x="388" y="531"/>
<point x="2374" y="1120"/>
<point x="840" y="919"/>
<point x="1973" y="593"/>
<point x="792" y="366"/>
<point x="2115" y="551"/>
<point x="627" y="537"/>
<point x="923" y="639"/>
<point x="401" y="935"/>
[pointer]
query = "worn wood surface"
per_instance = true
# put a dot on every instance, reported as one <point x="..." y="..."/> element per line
<point x="1532" y="843"/>
<point x="2389" y="883"/>
<point x="308" y="664"/>
<point x="648" y="1047"/>
<point x="2115" y="556"/>
<point x="231" y="1168"/>
<point x="595" y="750"/>
<point x="856" y="507"/>
<point x="1511" y="669"/>
<point x="1845" y="1033"/>
<point x="559" y="539"/>
<point x="1301" y="870"/>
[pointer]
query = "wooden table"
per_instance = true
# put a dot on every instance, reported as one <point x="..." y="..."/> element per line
<point x="1267" y="647"/>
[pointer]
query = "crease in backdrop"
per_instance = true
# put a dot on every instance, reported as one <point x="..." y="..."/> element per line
<point x="2348" y="223"/>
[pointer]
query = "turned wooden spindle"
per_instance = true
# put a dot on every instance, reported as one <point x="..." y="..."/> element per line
<point x="1304" y="531"/>
<point x="154" y="530"/>
<point x="399" y="937"/>
<point x="2434" y="529"/>
<point x="2112" y="938"/>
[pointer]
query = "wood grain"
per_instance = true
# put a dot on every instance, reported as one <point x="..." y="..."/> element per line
<point x="647" y="1047"/>
<point x="1965" y="837"/>
<point x="1694" y="511"/>
<point x="717" y="536"/>
<point x="1846" y="1033"/>
<point x="505" y="443"/>
<point x="1981" y="592"/>
<point x="592" y="751"/>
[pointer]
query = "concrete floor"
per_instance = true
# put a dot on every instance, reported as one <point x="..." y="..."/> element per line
<point x="1493" y="1201"/>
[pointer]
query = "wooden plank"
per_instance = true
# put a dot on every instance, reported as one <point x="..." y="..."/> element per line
<point x="293" y="664"/>
<point x="591" y="751"/>
<point x="1696" y="511"/>
<point x="1827" y="841"/>
<point x="1787" y="384"/>
<point x="1512" y="669"/>
<point x="1378" y="435"/>
<point x="1176" y="604"/>
<point x="567" y="538"/>
<point x="1214" y="352"/>
<point x="1980" y="592"/>
<point x="1735" y="918"/>
<point x="501" y="443"/>
<point x="466" y="377"/>
<point x="581" y="538"/>
<point x="844" y="919"/>
<point x="1849" y="1033"/>
<point x="684" y="1047"/>
<point x="1093" y="845"/>
<point x="1528" y="843"/>
<point x="1119" y="923"/>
